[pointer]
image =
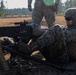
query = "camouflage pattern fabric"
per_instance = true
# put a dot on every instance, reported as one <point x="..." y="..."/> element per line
<point x="71" y="41"/>
<point x="52" y="45"/>
<point x="56" y="37"/>
<point x="38" y="15"/>
<point x="40" y="10"/>
<point x="57" y="43"/>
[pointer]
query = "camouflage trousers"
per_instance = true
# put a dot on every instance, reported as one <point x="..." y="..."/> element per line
<point x="52" y="45"/>
<point x="39" y="13"/>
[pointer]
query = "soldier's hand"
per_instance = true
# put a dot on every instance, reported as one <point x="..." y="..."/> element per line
<point x="29" y="7"/>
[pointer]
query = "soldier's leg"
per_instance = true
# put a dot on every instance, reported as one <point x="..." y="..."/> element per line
<point x="50" y="36"/>
<point x="49" y="16"/>
<point x="53" y="37"/>
<point x="37" y="16"/>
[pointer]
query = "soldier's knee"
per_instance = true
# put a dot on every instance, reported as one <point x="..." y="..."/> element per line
<point x="57" y="28"/>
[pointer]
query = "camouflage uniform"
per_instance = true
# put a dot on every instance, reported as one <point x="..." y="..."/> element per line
<point x="40" y="10"/>
<point x="71" y="41"/>
<point x="57" y="44"/>
<point x="52" y="45"/>
<point x="70" y="32"/>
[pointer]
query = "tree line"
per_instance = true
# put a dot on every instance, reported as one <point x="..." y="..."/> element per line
<point x="67" y="4"/>
<point x="24" y="11"/>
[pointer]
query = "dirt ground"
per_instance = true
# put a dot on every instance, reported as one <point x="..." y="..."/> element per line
<point x="10" y="21"/>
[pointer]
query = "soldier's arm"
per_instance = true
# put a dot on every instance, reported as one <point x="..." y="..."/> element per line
<point x="29" y="5"/>
<point x="49" y="37"/>
<point x="29" y="2"/>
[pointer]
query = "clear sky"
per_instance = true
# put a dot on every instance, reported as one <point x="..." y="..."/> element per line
<point x="18" y="3"/>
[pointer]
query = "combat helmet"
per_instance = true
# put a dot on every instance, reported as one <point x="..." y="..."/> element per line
<point x="70" y="13"/>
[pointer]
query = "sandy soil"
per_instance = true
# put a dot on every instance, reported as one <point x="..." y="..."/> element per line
<point x="10" y="21"/>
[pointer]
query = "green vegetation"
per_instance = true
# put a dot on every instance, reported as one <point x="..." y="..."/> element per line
<point x="66" y="5"/>
<point x="2" y="9"/>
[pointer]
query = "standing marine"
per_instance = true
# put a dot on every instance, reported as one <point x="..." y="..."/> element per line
<point x="46" y="8"/>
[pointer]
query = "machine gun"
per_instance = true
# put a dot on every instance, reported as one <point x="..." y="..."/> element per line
<point x="22" y="31"/>
<point x="18" y="60"/>
<point x="22" y="23"/>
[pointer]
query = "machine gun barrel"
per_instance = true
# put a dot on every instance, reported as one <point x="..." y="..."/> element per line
<point x="24" y="23"/>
